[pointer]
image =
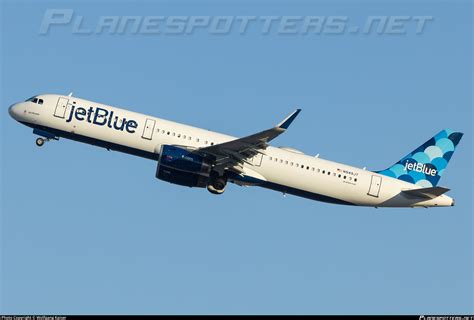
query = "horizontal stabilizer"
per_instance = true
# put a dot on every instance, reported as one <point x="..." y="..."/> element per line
<point x="426" y="193"/>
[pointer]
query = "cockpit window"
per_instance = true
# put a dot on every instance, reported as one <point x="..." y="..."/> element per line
<point x="35" y="100"/>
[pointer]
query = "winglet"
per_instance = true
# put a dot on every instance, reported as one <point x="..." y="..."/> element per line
<point x="288" y="120"/>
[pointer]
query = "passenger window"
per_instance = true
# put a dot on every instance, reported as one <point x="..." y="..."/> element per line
<point x="345" y="177"/>
<point x="339" y="176"/>
<point x="286" y="162"/>
<point x="281" y="160"/>
<point x="291" y="163"/>
<point x="355" y="179"/>
<point x="329" y="173"/>
<point x="307" y="168"/>
<point x="324" y="171"/>
<point x="271" y="158"/>
<point x="179" y="135"/>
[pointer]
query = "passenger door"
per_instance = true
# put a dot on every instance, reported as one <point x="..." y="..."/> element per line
<point x="375" y="184"/>
<point x="148" y="129"/>
<point x="61" y="107"/>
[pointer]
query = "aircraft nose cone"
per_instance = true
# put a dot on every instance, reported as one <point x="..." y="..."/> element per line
<point x="452" y="203"/>
<point x="13" y="111"/>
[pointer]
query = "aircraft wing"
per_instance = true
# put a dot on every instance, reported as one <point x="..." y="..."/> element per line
<point x="239" y="150"/>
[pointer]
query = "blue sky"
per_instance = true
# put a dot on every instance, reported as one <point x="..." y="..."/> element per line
<point x="84" y="230"/>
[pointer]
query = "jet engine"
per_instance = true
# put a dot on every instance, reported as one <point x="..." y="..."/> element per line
<point x="180" y="166"/>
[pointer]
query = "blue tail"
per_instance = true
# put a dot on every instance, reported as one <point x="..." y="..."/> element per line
<point x="425" y="165"/>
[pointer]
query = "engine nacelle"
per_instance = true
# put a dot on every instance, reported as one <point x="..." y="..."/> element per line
<point x="217" y="183"/>
<point x="179" y="166"/>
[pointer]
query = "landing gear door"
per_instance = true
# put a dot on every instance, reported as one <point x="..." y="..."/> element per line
<point x="375" y="184"/>
<point x="61" y="107"/>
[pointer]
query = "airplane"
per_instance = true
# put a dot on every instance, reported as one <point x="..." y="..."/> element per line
<point x="194" y="157"/>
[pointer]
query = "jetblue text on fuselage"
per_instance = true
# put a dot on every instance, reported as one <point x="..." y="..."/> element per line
<point x="102" y="117"/>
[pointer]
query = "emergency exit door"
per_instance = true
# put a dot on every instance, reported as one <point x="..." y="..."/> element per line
<point x="375" y="184"/>
<point x="148" y="129"/>
<point x="256" y="160"/>
<point x="61" y="107"/>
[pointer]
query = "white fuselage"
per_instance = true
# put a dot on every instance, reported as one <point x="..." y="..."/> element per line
<point x="281" y="169"/>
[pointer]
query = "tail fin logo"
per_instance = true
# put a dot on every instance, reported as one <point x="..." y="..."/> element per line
<point x="425" y="165"/>
<point x="420" y="167"/>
